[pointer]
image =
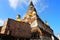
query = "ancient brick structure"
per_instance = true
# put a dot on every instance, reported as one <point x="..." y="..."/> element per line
<point x="29" y="28"/>
<point x="44" y="32"/>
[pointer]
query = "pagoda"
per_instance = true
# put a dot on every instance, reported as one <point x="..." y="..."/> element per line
<point x="31" y="27"/>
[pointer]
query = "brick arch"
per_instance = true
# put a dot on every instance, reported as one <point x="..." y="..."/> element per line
<point x="36" y="29"/>
<point x="39" y="31"/>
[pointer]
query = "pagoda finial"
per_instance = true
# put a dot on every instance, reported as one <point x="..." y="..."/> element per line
<point x="31" y="6"/>
<point x="18" y="18"/>
<point x="47" y="23"/>
<point x="31" y="3"/>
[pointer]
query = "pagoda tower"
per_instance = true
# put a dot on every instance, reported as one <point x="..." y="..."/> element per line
<point x="37" y="25"/>
<point x="31" y="15"/>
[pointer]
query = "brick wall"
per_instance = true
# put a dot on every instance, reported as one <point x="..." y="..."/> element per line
<point x="18" y="29"/>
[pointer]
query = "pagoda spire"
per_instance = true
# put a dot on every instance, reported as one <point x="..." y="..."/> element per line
<point x="47" y="23"/>
<point x="31" y="6"/>
<point x="18" y="18"/>
<point x="31" y="15"/>
<point x="31" y="12"/>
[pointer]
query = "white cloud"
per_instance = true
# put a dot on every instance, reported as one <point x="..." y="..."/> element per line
<point x="42" y="4"/>
<point x="13" y="3"/>
<point x="58" y="35"/>
<point x="42" y="8"/>
<point x="1" y="22"/>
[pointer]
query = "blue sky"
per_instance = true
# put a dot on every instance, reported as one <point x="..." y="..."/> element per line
<point x="48" y="10"/>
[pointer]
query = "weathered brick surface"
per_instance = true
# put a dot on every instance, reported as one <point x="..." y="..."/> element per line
<point x="0" y="28"/>
<point x="18" y="29"/>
